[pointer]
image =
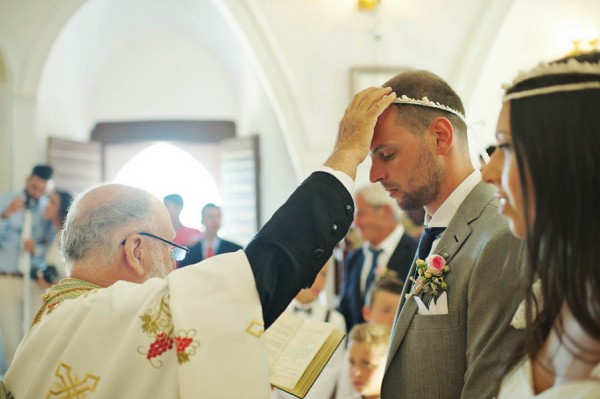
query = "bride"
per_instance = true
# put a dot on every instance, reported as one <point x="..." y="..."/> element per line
<point x="547" y="174"/>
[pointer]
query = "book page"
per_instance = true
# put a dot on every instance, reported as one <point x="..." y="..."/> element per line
<point x="299" y="352"/>
<point x="279" y="334"/>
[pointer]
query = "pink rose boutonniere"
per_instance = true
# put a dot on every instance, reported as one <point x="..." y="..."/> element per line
<point x="431" y="276"/>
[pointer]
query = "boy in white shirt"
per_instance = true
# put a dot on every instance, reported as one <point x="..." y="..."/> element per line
<point x="307" y="305"/>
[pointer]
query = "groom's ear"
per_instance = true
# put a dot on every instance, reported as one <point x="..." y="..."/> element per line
<point x="444" y="135"/>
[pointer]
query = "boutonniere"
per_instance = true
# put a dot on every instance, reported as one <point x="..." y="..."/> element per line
<point x="431" y="278"/>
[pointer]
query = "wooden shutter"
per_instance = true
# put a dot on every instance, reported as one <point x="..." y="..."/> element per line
<point x="240" y="187"/>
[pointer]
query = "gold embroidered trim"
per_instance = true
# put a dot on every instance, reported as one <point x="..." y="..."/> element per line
<point x="256" y="328"/>
<point x="68" y="385"/>
<point x="67" y="288"/>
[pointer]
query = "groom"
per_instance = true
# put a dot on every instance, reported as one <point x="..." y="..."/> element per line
<point x="420" y="154"/>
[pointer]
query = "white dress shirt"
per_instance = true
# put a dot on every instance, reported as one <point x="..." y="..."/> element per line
<point x="445" y="213"/>
<point x="388" y="246"/>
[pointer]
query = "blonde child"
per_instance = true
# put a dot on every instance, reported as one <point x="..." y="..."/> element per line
<point x="367" y="353"/>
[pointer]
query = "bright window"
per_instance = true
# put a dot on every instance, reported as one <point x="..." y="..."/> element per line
<point x="163" y="169"/>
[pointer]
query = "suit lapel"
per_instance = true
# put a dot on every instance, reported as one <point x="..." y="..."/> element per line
<point x="406" y="311"/>
<point x="452" y="240"/>
<point x="454" y="237"/>
<point x="459" y="228"/>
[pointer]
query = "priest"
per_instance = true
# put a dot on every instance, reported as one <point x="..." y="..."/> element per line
<point x="124" y="325"/>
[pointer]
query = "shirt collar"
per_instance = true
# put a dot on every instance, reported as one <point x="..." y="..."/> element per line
<point x="445" y="213"/>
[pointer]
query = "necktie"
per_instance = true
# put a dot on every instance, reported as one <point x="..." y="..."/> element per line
<point x="209" y="251"/>
<point x="371" y="276"/>
<point x="427" y="238"/>
<point x="298" y="309"/>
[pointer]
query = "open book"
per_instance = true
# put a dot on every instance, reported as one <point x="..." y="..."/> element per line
<point x="298" y="350"/>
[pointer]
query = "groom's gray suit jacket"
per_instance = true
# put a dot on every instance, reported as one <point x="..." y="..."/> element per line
<point x="461" y="353"/>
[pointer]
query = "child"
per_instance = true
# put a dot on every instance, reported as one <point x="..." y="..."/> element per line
<point x="306" y="305"/>
<point x="367" y="355"/>
<point x="381" y="305"/>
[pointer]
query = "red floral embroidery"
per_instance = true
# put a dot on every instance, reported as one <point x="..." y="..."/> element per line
<point x="186" y="345"/>
<point x="158" y="325"/>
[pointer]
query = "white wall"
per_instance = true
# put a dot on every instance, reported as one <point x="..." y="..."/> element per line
<point x="277" y="176"/>
<point x="521" y="43"/>
<point x="165" y="75"/>
<point x="163" y="65"/>
<point x="277" y="67"/>
<point x="27" y="31"/>
<point x="313" y="45"/>
<point x="5" y="142"/>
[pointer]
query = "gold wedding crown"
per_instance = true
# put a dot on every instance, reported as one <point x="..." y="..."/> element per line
<point x="571" y="67"/>
<point x="425" y="102"/>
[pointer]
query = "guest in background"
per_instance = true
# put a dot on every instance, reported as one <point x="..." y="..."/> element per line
<point x="382" y="300"/>
<point x="56" y="213"/>
<point x="211" y="244"/>
<point x="386" y="246"/>
<point x="53" y="268"/>
<point x="307" y="306"/>
<point x="13" y="209"/>
<point x="367" y="355"/>
<point x="186" y="236"/>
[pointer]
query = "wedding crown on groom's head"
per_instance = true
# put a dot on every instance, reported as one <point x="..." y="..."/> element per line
<point x="571" y="67"/>
<point x="425" y="102"/>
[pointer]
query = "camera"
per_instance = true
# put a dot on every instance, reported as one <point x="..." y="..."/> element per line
<point x="48" y="272"/>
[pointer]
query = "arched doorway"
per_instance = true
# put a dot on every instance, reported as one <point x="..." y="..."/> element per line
<point x="163" y="169"/>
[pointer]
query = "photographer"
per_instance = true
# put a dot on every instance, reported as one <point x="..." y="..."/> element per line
<point x="52" y="269"/>
<point x="13" y="211"/>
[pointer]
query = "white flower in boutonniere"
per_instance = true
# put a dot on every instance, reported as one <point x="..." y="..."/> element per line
<point x="431" y="278"/>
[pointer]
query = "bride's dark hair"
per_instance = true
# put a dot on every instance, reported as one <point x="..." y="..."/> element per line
<point x="556" y="139"/>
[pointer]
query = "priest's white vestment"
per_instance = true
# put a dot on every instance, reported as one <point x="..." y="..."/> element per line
<point x="159" y="339"/>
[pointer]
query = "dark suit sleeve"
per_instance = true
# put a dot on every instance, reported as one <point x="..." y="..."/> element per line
<point x="290" y="250"/>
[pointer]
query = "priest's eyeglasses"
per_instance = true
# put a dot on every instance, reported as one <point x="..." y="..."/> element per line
<point x="178" y="252"/>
